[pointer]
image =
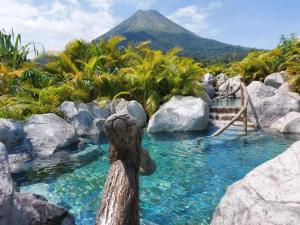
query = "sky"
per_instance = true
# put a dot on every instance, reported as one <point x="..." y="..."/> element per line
<point x="251" y="23"/>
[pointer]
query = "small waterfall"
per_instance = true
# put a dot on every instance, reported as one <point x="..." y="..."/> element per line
<point x="223" y="111"/>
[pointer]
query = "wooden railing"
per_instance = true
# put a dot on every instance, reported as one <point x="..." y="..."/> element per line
<point x="243" y="110"/>
<point x="227" y="95"/>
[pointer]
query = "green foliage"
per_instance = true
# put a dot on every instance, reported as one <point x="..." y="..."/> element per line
<point x="12" y="52"/>
<point x="103" y="70"/>
<point x="285" y="57"/>
<point x="216" y="68"/>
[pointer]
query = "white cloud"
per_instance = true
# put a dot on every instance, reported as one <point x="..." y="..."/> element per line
<point x="54" y="23"/>
<point x="194" y="18"/>
<point x="57" y="23"/>
<point x="102" y="4"/>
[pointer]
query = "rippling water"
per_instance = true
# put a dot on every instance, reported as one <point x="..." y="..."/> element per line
<point x="192" y="175"/>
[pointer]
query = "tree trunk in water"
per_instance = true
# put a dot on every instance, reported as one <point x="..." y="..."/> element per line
<point x="120" y="198"/>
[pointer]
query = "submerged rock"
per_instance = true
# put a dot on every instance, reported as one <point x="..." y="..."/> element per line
<point x="133" y="109"/>
<point x="290" y="123"/>
<point x="180" y="114"/>
<point x="269" y="194"/>
<point x="274" y="80"/>
<point x="49" y="133"/>
<point x="30" y="209"/>
<point x="269" y="104"/>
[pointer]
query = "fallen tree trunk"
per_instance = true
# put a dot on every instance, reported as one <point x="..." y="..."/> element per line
<point x="120" y="198"/>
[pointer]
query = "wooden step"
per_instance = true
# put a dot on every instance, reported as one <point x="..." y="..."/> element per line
<point x="224" y="117"/>
<point x="223" y="110"/>
<point x="221" y="123"/>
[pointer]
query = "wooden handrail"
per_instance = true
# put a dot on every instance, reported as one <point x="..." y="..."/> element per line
<point x="217" y="86"/>
<point x="225" y="96"/>
<point x="225" y="89"/>
<point x="243" y="110"/>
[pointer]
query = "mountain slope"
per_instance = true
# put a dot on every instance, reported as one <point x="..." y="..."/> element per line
<point x="165" y="34"/>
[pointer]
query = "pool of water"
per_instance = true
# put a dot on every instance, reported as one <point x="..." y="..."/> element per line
<point x="192" y="175"/>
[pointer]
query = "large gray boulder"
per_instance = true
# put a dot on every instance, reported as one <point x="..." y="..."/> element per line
<point x="210" y="90"/>
<point x="221" y="78"/>
<point x="230" y="85"/>
<point x="86" y="118"/>
<point x="6" y="187"/>
<point x="290" y="123"/>
<point x="18" y="145"/>
<point x="268" y="195"/>
<point x="98" y="110"/>
<point x="13" y="136"/>
<point x="113" y="105"/>
<point x="180" y="114"/>
<point x="267" y="104"/>
<point x="28" y="209"/>
<point x="25" y="209"/>
<point x="49" y="133"/>
<point x="274" y="80"/>
<point x="133" y="109"/>
<point x="70" y="109"/>
<point x="284" y="87"/>
<point x="87" y="126"/>
<point x="208" y="78"/>
<point x="83" y="122"/>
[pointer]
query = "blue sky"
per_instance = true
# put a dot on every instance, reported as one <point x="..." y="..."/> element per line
<point x="253" y="23"/>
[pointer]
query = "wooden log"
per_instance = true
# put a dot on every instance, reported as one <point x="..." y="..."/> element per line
<point x="120" y="198"/>
<point x="245" y="120"/>
<point x="227" y="95"/>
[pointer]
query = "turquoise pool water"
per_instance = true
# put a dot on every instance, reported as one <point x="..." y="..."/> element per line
<point x="193" y="173"/>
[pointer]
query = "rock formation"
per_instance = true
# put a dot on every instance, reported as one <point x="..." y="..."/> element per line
<point x="268" y="195"/>
<point x="180" y="114"/>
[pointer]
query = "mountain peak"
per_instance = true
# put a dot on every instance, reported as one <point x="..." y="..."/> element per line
<point x="147" y="11"/>
<point x="145" y="25"/>
<point x="146" y="20"/>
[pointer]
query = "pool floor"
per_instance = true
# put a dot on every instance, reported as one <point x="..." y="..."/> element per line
<point x="192" y="175"/>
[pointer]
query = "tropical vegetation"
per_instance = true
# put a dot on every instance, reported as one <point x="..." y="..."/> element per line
<point x="285" y="57"/>
<point x="104" y="70"/>
<point x="91" y="71"/>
